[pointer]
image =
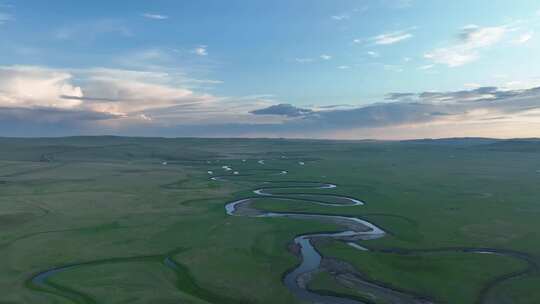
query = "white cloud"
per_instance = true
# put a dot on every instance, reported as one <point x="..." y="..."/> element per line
<point x="391" y="37"/>
<point x="133" y="91"/>
<point x="426" y="67"/>
<point x="111" y="91"/>
<point x="477" y="37"/>
<point x="472" y="85"/>
<point x="343" y="67"/>
<point x="472" y="39"/>
<point x="521" y="84"/>
<point x="28" y="87"/>
<point x="155" y="16"/>
<point x="145" y="117"/>
<point x="201" y="50"/>
<point x="453" y="57"/>
<point x="116" y="97"/>
<point x="322" y="57"/>
<point x="326" y="57"/>
<point x="524" y="38"/>
<point x="374" y="54"/>
<point x="341" y="17"/>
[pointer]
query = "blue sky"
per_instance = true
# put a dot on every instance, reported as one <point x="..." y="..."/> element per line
<point x="205" y="68"/>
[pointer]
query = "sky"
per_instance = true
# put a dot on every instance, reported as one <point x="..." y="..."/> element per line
<point x="336" y="69"/>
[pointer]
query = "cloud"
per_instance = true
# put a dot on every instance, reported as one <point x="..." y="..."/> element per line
<point x="51" y="115"/>
<point x="283" y="110"/>
<point x="304" y="60"/>
<point x="426" y="67"/>
<point x="391" y="37"/>
<point x="326" y="57"/>
<point x="472" y="39"/>
<point x="44" y="101"/>
<point x="373" y="54"/>
<point x="343" y="67"/>
<point x="109" y="92"/>
<point x="130" y="102"/>
<point x="341" y="17"/>
<point x="477" y="37"/>
<point x="400" y="96"/>
<point x="22" y="86"/>
<point x="115" y="97"/>
<point x="134" y="91"/>
<point x="486" y="111"/>
<point x="413" y="110"/>
<point x="524" y="38"/>
<point x="323" y="57"/>
<point x="155" y="16"/>
<point x="201" y="50"/>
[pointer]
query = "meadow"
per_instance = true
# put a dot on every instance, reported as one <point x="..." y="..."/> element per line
<point x="138" y="220"/>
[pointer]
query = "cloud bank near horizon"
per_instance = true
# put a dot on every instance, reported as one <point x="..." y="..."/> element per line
<point x="38" y="101"/>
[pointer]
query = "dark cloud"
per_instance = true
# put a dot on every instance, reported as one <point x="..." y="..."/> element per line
<point x="478" y="94"/>
<point x="377" y="115"/>
<point x="415" y="108"/>
<point x="38" y="122"/>
<point x="69" y="97"/>
<point x="283" y="110"/>
<point x="336" y="106"/>
<point x="399" y="96"/>
<point x="51" y="115"/>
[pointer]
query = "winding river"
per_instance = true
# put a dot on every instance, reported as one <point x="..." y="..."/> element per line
<point x="356" y="229"/>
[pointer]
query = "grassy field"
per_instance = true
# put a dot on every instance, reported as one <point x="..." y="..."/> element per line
<point x="126" y="208"/>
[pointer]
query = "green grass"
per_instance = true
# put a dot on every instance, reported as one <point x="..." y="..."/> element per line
<point x="448" y="277"/>
<point x="87" y="199"/>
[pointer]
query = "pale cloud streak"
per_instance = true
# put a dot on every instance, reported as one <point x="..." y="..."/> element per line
<point x="341" y="17"/>
<point x="201" y="50"/>
<point x="325" y="57"/>
<point x="155" y="16"/>
<point x="304" y="60"/>
<point x="524" y="38"/>
<point x="391" y="37"/>
<point x="426" y="67"/>
<point x="472" y="39"/>
<point x="373" y="54"/>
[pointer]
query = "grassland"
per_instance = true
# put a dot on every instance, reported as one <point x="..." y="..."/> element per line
<point x="122" y="206"/>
